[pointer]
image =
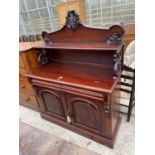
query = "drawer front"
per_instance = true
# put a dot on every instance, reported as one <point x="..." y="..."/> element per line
<point x="21" y="61"/>
<point x="69" y="89"/>
<point x="25" y="86"/>
<point x="22" y="85"/>
<point x="29" y="88"/>
<point x="22" y="71"/>
<point x="27" y="99"/>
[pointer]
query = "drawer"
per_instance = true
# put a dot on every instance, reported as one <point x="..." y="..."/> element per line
<point x="27" y="99"/>
<point x="21" y="61"/>
<point x="29" y="87"/>
<point x="22" y="85"/>
<point x="21" y="76"/>
<point x="22" y="71"/>
<point x="25" y="86"/>
<point x="69" y="89"/>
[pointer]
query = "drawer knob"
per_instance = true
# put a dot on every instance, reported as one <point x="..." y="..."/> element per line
<point x="28" y="99"/>
<point x="22" y="86"/>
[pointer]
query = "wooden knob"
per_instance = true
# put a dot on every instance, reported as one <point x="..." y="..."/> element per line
<point x="27" y="99"/>
<point x="69" y="119"/>
<point x="22" y="86"/>
<point x="107" y="110"/>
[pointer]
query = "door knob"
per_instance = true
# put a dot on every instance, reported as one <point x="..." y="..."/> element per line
<point x="69" y="119"/>
<point x="107" y="110"/>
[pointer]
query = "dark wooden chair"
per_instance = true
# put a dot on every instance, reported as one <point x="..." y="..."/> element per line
<point x="32" y="38"/>
<point x="38" y="37"/>
<point x="20" y="39"/>
<point x="25" y="38"/>
<point x="128" y="86"/>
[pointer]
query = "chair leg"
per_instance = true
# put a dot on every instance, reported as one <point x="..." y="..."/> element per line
<point x="130" y="111"/>
<point x="129" y="115"/>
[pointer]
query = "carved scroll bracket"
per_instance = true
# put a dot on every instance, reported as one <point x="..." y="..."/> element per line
<point x="46" y="37"/>
<point x="43" y="57"/>
<point x="115" y="38"/>
<point x="72" y="20"/>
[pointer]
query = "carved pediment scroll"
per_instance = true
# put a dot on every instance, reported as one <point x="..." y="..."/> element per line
<point x="115" y="38"/>
<point x="72" y="20"/>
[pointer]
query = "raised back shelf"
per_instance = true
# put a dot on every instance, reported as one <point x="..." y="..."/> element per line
<point x="82" y="55"/>
<point x="83" y="33"/>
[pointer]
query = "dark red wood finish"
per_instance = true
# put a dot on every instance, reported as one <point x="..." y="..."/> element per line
<point x="76" y="79"/>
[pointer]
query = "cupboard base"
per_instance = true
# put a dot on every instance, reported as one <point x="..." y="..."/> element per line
<point x="100" y="139"/>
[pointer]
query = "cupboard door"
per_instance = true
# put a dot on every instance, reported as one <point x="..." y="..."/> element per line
<point x="51" y="103"/>
<point x="85" y="112"/>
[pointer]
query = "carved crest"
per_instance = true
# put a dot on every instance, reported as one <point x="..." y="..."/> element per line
<point x="43" y="57"/>
<point x="45" y="36"/>
<point x="72" y="20"/>
<point x="118" y="63"/>
<point x="115" y="38"/>
<point x="117" y="68"/>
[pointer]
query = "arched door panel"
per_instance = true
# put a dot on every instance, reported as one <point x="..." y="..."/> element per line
<point x="85" y="113"/>
<point x="51" y="102"/>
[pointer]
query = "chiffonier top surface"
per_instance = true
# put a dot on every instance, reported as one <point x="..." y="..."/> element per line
<point x="76" y="76"/>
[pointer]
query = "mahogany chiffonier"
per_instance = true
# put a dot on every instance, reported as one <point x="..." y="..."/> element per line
<point x="26" y="92"/>
<point x="76" y="77"/>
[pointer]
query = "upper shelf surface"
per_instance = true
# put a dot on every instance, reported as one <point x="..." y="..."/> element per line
<point x="79" y="45"/>
<point x="24" y="46"/>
